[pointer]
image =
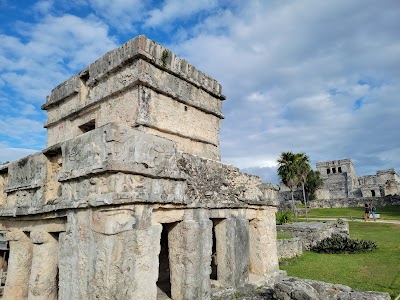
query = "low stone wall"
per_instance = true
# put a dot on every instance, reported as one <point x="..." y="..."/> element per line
<point x="299" y="289"/>
<point x="356" y="202"/>
<point x="312" y="232"/>
<point x="288" y="248"/>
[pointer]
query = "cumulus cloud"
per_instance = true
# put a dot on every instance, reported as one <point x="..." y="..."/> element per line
<point x="122" y="14"/>
<point x="8" y="154"/>
<point x="177" y="9"/>
<point x="319" y="77"/>
<point x="40" y="56"/>
<point x="293" y="73"/>
<point x="43" y="7"/>
<point x="49" y="52"/>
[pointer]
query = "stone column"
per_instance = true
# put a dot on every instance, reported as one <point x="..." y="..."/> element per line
<point x="232" y="241"/>
<point x="190" y="246"/>
<point x="43" y="283"/>
<point x="74" y="256"/>
<point x="263" y="249"/>
<point x="19" y="266"/>
<point x="125" y="254"/>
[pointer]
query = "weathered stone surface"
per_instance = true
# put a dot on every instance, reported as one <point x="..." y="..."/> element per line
<point x="19" y="266"/>
<point x="232" y="251"/>
<point x="74" y="256"/>
<point x="118" y="148"/>
<point x="312" y="232"/>
<point x="147" y="50"/>
<point x="302" y="289"/>
<point x="263" y="249"/>
<point x="210" y="182"/>
<point x="190" y="244"/>
<point x="43" y="282"/>
<point x="356" y="202"/>
<point x="27" y="173"/>
<point x="130" y="86"/>
<point x="288" y="248"/>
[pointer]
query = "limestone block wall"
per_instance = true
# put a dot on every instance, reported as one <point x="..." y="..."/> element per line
<point x="115" y="252"/>
<point x="116" y="164"/>
<point x="140" y="84"/>
<point x="337" y="186"/>
<point x="288" y="248"/>
<point x="357" y="202"/>
<point x="312" y="232"/>
<point x="298" y="289"/>
<point x="100" y="202"/>
<point x="336" y="167"/>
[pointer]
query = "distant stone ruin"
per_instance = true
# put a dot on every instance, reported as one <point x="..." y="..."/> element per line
<point x="343" y="187"/>
<point x="130" y="200"/>
<point x="341" y="181"/>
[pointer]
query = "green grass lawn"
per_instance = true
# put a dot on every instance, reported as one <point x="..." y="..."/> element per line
<point x="386" y="212"/>
<point x="371" y="271"/>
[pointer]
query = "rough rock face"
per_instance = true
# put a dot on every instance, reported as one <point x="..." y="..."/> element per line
<point x="210" y="182"/>
<point x="302" y="289"/>
<point x="288" y="248"/>
<point x="312" y="232"/>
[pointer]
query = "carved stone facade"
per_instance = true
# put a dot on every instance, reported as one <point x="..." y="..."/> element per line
<point x="129" y="200"/>
<point x="341" y="181"/>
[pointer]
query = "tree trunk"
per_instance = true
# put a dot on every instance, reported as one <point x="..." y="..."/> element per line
<point x="293" y="207"/>
<point x="305" y="200"/>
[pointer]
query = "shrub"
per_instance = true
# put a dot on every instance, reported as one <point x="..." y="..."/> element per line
<point x="343" y="244"/>
<point x="283" y="217"/>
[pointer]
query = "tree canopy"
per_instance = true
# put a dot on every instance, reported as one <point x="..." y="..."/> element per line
<point x="294" y="170"/>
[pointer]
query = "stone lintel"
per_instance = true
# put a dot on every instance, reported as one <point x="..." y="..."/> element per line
<point x="41" y="223"/>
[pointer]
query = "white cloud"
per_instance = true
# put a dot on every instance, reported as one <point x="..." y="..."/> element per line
<point x="50" y="52"/>
<point x="177" y="9"/>
<point x="278" y="64"/>
<point x="43" y="7"/>
<point x="8" y="154"/>
<point x="26" y="131"/>
<point x="44" y="54"/>
<point x="315" y="76"/>
<point x="120" y="13"/>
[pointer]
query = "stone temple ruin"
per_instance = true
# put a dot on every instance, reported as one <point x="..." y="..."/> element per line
<point x="341" y="181"/>
<point x="129" y="200"/>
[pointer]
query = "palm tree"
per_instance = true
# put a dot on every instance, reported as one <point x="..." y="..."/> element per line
<point x="303" y="169"/>
<point x="288" y="173"/>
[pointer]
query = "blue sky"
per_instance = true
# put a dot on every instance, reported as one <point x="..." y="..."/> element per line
<point x="321" y="77"/>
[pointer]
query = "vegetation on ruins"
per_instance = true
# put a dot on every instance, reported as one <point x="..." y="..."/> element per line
<point x="164" y="57"/>
<point x="312" y="184"/>
<point x="303" y="169"/>
<point x="288" y="173"/>
<point x="283" y="217"/>
<point x="293" y="170"/>
<point x="338" y="243"/>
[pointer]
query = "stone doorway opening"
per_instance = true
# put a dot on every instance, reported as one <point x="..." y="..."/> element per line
<point x="164" y="270"/>
<point x="4" y="255"/>
<point x="214" y="256"/>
